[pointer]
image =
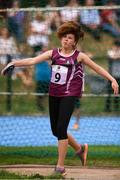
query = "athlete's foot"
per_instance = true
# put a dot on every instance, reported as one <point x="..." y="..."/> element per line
<point x="82" y="153"/>
<point x="60" y="171"/>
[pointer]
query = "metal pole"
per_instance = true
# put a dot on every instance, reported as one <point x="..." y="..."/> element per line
<point x="9" y="88"/>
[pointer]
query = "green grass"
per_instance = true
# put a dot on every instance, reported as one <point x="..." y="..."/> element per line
<point x="98" y="156"/>
<point x="7" y="175"/>
<point x="26" y="105"/>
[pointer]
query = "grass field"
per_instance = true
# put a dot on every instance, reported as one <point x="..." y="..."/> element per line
<point x="98" y="156"/>
<point x="26" y="105"/>
<point x="7" y="175"/>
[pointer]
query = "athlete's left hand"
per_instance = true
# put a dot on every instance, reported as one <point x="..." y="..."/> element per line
<point x="115" y="87"/>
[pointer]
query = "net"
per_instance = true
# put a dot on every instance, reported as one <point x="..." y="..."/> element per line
<point x="24" y="121"/>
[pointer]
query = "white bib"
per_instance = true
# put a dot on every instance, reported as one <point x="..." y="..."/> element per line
<point x="59" y="74"/>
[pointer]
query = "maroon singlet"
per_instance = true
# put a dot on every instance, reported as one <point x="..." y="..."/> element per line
<point x="67" y="75"/>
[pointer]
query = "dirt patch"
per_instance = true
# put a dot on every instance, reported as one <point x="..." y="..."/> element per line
<point x="72" y="172"/>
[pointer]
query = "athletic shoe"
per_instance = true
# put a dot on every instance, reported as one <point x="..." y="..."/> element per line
<point x="60" y="171"/>
<point x="82" y="153"/>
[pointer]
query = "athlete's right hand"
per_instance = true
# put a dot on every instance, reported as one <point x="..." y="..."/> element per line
<point x="8" y="69"/>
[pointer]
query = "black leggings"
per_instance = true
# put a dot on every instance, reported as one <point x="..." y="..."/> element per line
<point x="61" y="109"/>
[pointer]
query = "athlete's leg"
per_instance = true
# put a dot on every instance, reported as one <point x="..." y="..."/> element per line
<point x="73" y="143"/>
<point x="81" y="150"/>
<point x="65" y="112"/>
<point x="54" y="113"/>
<point x="62" y="150"/>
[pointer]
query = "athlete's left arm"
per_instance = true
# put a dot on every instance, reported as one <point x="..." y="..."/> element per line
<point x="98" y="69"/>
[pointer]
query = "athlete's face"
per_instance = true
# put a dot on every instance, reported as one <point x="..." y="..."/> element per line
<point x="68" y="41"/>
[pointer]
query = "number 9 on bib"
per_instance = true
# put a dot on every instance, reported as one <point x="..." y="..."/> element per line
<point x="59" y="74"/>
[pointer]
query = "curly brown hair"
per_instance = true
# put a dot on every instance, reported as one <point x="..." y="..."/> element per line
<point x="71" y="27"/>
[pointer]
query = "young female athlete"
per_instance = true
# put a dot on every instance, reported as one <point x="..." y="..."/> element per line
<point x="65" y="86"/>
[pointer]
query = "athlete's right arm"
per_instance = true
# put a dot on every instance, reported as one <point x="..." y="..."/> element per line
<point x="31" y="61"/>
<point x="26" y="62"/>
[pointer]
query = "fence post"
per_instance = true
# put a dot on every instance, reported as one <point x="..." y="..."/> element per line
<point x="9" y="87"/>
<point x="108" y="98"/>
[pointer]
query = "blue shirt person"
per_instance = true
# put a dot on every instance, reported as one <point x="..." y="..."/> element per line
<point x="42" y="78"/>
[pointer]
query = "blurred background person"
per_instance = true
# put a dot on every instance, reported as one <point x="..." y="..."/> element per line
<point x="38" y="40"/>
<point x="15" y="20"/>
<point x="114" y="68"/>
<point x="90" y="19"/>
<point x="76" y="125"/>
<point x="42" y="79"/>
<point x="110" y="20"/>
<point x="8" y="47"/>
<point x="53" y="16"/>
<point x="38" y="35"/>
<point x="70" y="14"/>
